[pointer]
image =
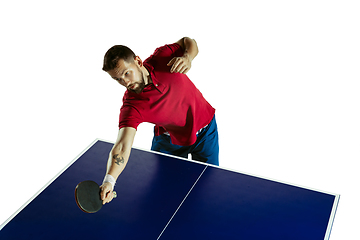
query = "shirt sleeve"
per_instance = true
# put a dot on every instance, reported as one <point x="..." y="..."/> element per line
<point x="169" y="50"/>
<point x="162" y="55"/>
<point x="129" y="116"/>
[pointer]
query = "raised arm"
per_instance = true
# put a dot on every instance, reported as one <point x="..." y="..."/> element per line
<point x="183" y="64"/>
<point x="118" y="158"/>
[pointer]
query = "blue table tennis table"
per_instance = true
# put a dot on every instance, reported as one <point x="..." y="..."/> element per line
<point x="165" y="197"/>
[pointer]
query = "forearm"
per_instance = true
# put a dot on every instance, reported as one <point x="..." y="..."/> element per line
<point x="118" y="158"/>
<point x="119" y="154"/>
<point x="183" y="64"/>
<point x="190" y="48"/>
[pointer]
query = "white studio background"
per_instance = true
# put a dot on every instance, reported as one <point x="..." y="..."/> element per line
<point x="283" y="76"/>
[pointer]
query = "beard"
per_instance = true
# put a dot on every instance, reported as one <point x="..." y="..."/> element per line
<point x="139" y="86"/>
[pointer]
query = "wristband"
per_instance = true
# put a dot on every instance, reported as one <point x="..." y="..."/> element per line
<point x="110" y="179"/>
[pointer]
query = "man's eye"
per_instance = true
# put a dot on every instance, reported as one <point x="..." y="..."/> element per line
<point x="127" y="73"/>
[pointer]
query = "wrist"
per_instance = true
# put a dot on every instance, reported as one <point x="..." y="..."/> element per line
<point x="110" y="179"/>
<point x="188" y="56"/>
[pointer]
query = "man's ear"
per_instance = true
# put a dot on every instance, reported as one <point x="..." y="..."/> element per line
<point x="138" y="61"/>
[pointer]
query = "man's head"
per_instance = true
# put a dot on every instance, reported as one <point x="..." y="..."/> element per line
<point x="121" y="63"/>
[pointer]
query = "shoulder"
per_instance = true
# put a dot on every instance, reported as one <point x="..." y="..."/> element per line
<point x="168" y="50"/>
<point x="162" y="55"/>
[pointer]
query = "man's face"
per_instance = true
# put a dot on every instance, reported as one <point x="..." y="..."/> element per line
<point x="128" y="75"/>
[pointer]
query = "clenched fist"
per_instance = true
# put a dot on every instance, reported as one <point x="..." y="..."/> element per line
<point x="106" y="192"/>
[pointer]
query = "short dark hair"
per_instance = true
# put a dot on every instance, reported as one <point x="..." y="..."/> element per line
<point x="114" y="54"/>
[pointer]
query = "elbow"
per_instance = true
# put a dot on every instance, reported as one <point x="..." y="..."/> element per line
<point x="191" y="43"/>
<point x="189" y="40"/>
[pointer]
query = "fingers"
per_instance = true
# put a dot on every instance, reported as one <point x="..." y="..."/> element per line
<point x="184" y="70"/>
<point x="179" y="65"/>
<point x="106" y="193"/>
<point x="109" y="197"/>
<point x="172" y="61"/>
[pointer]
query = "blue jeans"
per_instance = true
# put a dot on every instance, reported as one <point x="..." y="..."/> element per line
<point x="205" y="149"/>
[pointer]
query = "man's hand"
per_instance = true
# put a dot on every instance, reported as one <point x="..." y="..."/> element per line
<point x="180" y="64"/>
<point x="106" y="193"/>
<point x="183" y="64"/>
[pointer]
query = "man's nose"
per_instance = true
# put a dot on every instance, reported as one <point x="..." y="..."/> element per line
<point x="126" y="82"/>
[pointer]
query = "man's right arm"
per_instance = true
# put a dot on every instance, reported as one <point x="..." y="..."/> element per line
<point x="118" y="158"/>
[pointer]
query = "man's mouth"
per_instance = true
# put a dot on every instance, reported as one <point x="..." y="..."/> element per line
<point x="136" y="87"/>
<point x="132" y="86"/>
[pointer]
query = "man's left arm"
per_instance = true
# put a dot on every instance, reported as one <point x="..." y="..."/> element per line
<point x="183" y="64"/>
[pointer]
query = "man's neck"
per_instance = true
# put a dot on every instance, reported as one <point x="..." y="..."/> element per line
<point x="146" y="75"/>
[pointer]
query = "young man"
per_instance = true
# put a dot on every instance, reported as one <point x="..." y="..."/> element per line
<point x="159" y="92"/>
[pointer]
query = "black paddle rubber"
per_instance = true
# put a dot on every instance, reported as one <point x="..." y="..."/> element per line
<point x="87" y="196"/>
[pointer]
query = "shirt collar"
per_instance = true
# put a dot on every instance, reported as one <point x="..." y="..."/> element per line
<point x="158" y="85"/>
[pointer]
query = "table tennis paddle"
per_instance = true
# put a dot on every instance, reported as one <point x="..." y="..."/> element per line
<point x="87" y="196"/>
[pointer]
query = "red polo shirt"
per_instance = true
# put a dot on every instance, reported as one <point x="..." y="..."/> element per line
<point x="171" y="102"/>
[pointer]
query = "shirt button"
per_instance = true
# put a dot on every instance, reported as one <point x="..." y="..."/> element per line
<point x="156" y="85"/>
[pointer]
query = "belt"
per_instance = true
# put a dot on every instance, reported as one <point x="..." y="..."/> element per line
<point x="201" y="129"/>
<point x="197" y="133"/>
